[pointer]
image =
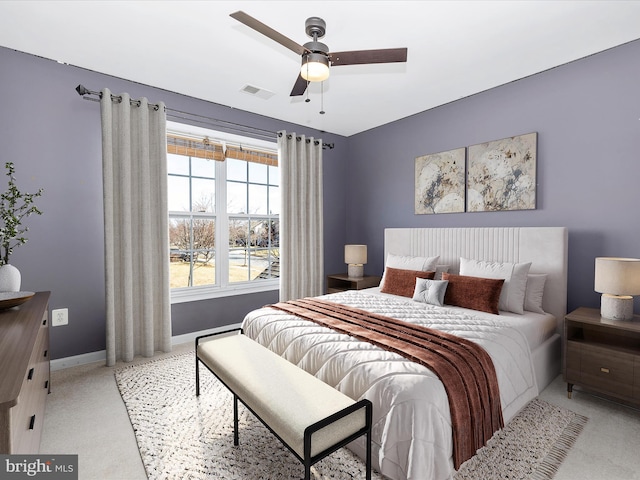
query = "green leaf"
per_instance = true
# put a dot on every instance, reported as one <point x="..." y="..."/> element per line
<point x="14" y="206"/>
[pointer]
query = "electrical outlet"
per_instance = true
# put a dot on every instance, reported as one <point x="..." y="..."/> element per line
<point x="60" y="317"/>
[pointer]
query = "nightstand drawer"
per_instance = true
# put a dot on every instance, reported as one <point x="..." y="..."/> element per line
<point x="606" y="370"/>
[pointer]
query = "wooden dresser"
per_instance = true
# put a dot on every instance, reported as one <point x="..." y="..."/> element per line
<point x="24" y="374"/>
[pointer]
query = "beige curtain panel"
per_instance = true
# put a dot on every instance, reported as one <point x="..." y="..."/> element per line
<point x="134" y="160"/>
<point x="301" y="217"/>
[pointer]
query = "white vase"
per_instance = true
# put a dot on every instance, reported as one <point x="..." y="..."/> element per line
<point x="10" y="278"/>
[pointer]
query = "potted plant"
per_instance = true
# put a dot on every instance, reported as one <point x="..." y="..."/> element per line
<point x="15" y="206"/>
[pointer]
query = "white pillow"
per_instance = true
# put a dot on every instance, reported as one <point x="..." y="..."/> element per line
<point x="440" y="269"/>
<point x="534" y="292"/>
<point x="430" y="291"/>
<point x="515" y="280"/>
<point x="408" y="262"/>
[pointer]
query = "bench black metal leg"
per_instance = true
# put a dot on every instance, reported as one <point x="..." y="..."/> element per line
<point x="235" y="419"/>
<point x="197" y="377"/>
<point x="368" y="472"/>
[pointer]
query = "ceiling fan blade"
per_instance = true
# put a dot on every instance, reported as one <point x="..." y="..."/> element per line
<point x="299" y="87"/>
<point x="258" y="26"/>
<point x="359" y="57"/>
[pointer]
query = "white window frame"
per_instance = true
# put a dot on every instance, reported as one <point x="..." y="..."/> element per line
<point x="221" y="288"/>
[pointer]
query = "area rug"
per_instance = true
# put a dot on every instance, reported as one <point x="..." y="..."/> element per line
<point x="181" y="436"/>
<point x="531" y="446"/>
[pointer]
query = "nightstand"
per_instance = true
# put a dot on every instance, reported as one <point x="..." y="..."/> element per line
<point x="602" y="355"/>
<point x="341" y="282"/>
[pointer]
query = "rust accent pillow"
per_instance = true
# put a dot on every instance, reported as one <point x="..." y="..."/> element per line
<point x="476" y="293"/>
<point x="402" y="282"/>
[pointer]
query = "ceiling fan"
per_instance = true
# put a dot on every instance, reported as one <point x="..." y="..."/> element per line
<point x="316" y="58"/>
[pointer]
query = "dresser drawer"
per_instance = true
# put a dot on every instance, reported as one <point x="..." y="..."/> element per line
<point x="27" y="417"/>
<point x="607" y="370"/>
<point x="37" y="373"/>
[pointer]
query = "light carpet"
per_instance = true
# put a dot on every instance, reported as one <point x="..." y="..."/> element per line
<point x="531" y="446"/>
<point x="181" y="436"/>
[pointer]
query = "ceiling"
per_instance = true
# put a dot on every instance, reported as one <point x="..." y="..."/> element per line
<point x="455" y="49"/>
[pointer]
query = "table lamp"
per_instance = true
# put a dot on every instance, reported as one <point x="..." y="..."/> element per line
<point x="355" y="256"/>
<point x="618" y="279"/>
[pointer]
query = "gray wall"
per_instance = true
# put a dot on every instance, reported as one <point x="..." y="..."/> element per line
<point x="587" y="117"/>
<point x="53" y="137"/>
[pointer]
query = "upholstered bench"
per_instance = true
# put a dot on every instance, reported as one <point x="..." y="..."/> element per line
<point x="309" y="417"/>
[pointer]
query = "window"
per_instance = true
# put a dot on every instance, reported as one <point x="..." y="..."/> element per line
<point x="224" y="206"/>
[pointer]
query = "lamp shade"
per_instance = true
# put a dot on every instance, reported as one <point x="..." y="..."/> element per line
<point x="617" y="276"/>
<point x="355" y="254"/>
<point x="315" y="67"/>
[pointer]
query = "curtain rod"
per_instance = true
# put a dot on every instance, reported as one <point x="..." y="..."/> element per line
<point x="82" y="91"/>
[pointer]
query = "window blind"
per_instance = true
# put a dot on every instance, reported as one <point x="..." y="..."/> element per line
<point x="214" y="150"/>
<point x="194" y="147"/>
<point x="252" y="155"/>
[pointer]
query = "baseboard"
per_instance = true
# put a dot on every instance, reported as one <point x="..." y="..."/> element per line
<point x="101" y="356"/>
<point x="66" y="362"/>
<point x="191" y="337"/>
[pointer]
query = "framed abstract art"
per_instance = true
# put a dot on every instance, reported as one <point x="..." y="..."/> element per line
<point x="502" y="174"/>
<point x="439" y="182"/>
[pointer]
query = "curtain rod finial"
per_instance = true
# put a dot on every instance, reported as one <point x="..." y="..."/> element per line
<point x="82" y="90"/>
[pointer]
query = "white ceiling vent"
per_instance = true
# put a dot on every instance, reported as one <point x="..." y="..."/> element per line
<point x="257" y="92"/>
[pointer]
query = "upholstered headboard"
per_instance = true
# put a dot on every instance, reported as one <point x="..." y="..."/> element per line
<point x="545" y="247"/>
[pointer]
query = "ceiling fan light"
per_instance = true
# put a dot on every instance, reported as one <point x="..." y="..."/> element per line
<point x="315" y="67"/>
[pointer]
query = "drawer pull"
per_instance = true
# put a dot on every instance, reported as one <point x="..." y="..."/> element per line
<point x="32" y="422"/>
<point x="604" y="370"/>
<point x="30" y="376"/>
<point x="45" y="353"/>
<point x="44" y="321"/>
<point x="46" y="384"/>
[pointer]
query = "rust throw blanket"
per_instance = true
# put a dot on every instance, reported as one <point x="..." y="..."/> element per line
<point x="465" y="368"/>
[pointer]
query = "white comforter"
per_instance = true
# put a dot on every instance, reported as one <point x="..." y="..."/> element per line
<point x="412" y="436"/>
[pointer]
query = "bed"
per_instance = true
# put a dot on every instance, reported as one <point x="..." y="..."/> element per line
<point x="412" y="432"/>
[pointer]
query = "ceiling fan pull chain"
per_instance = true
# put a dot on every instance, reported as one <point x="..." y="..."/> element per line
<point x="321" y="98"/>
